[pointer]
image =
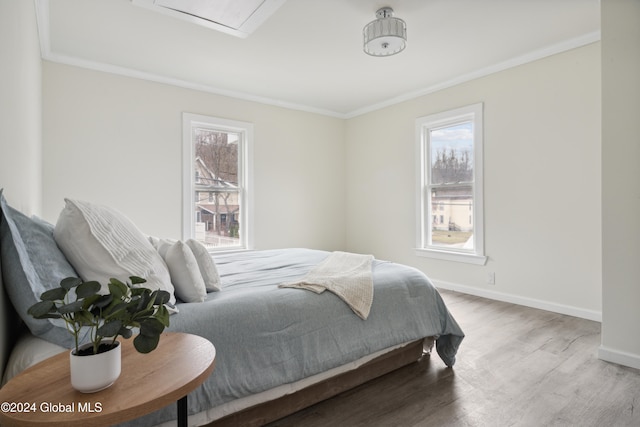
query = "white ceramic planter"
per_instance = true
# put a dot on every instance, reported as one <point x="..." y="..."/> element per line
<point x="97" y="371"/>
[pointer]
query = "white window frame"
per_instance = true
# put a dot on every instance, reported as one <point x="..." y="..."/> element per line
<point x="423" y="126"/>
<point x="245" y="179"/>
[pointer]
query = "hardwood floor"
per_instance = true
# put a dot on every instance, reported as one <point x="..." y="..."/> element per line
<point x="517" y="366"/>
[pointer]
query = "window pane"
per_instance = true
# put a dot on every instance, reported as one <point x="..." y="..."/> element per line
<point x="452" y="217"/>
<point x="451" y="153"/>
<point x="451" y="164"/>
<point x="217" y="189"/>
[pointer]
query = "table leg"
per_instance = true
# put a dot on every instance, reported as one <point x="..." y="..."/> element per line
<point x="183" y="418"/>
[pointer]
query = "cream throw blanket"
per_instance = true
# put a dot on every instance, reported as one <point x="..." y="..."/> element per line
<point x="345" y="274"/>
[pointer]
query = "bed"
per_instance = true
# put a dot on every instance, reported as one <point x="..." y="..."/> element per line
<point x="279" y="349"/>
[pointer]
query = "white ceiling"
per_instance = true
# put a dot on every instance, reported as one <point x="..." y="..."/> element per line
<point x="308" y="54"/>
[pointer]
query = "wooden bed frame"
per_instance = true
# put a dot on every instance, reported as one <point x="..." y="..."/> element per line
<point x="267" y="412"/>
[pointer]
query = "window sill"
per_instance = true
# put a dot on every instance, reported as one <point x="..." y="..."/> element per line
<point x="467" y="258"/>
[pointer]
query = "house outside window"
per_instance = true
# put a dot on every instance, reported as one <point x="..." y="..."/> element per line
<point x="216" y="182"/>
<point x="449" y="156"/>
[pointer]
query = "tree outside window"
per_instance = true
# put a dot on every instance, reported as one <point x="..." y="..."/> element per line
<point x="217" y="207"/>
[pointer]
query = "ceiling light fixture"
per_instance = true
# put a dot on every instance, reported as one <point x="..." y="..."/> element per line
<point x="386" y="35"/>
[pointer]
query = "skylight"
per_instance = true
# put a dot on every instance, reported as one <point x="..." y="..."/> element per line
<point x="239" y="18"/>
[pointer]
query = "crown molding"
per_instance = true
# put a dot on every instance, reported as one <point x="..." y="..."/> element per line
<point x="42" y="18"/>
<point x="511" y="63"/>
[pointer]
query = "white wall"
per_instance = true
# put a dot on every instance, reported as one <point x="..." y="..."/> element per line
<point x="20" y="123"/>
<point x="20" y="106"/>
<point x="542" y="183"/>
<point x="621" y="181"/>
<point x="117" y="140"/>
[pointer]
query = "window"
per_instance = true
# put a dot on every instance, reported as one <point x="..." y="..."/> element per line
<point x="449" y="190"/>
<point x="216" y="182"/>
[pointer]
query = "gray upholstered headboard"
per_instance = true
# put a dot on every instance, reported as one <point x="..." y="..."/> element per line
<point x="4" y="327"/>
<point x="9" y="326"/>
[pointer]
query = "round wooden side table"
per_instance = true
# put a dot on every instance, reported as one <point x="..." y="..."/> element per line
<point x="42" y="395"/>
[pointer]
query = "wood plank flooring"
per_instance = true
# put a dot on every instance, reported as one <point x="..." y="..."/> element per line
<point x="517" y="366"/>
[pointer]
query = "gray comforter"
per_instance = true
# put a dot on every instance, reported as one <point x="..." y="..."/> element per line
<point x="266" y="336"/>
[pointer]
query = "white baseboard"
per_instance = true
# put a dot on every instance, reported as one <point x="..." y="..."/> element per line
<point x="619" y="357"/>
<point x="527" y="302"/>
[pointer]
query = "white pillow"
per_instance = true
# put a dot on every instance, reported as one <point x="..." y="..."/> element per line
<point x="184" y="271"/>
<point x="28" y="351"/>
<point x="207" y="266"/>
<point x="161" y="245"/>
<point x="101" y="243"/>
<point x="155" y="241"/>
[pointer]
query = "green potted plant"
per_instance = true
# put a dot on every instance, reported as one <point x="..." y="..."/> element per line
<point x="102" y="317"/>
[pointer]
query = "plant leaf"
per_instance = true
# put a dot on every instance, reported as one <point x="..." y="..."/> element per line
<point x="162" y="297"/>
<point x="142" y="302"/>
<point x="110" y="329"/>
<point x="88" y="289"/>
<point x="126" y="333"/>
<point x="70" y="282"/>
<point x="72" y="307"/>
<point x="103" y="301"/>
<point x="56" y="294"/>
<point x="163" y="315"/>
<point x="143" y="314"/>
<point x="138" y="291"/>
<point x="90" y="300"/>
<point x="135" y="280"/>
<point x="41" y="309"/>
<point x="50" y="316"/>
<point x="118" y="289"/>
<point x="84" y="318"/>
<point x="116" y="310"/>
<point x="151" y="327"/>
<point x="116" y="281"/>
<point x="146" y="344"/>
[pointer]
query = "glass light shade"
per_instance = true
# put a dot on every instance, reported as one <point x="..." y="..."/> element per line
<point x="386" y="35"/>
